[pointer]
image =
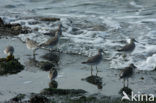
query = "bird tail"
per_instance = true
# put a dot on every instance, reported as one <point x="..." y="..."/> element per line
<point x="83" y="62"/>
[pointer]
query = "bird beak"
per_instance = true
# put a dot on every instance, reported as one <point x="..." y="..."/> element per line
<point x="136" y="41"/>
<point x="103" y="52"/>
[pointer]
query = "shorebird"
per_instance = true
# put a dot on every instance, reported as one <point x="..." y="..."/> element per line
<point x="127" y="72"/>
<point x="128" y="47"/>
<point x="94" y="60"/>
<point x="53" y="41"/>
<point x="32" y="45"/>
<point x="53" y="74"/>
<point x="9" y="50"/>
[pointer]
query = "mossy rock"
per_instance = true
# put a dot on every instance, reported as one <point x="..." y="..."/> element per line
<point x="18" y="98"/>
<point x="10" y="66"/>
<point x="93" y="79"/>
<point x="53" y="91"/>
<point x="39" y="99"/>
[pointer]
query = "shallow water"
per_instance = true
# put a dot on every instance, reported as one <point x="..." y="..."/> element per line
<point x="87" y="26"/>
<point x="71" y="75"/>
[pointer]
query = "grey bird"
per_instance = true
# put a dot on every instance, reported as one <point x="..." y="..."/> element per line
<point x="9" y="50"/>
<point x="94" y="60"/>
<point x="128" y="47"/>
<point x="53" y="74"/>
<point x="53" y="41"/>
<point x="127" y="72"/>
<point x="31" y="44"/>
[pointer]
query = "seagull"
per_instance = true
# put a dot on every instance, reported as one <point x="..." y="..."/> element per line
<point x="94" y="60"/>
<point x="53" y="74"/>
<point x="31" y="44"/>
<point x="127" y="72"/>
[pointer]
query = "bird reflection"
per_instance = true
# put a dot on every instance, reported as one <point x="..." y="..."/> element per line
<point x="95" y="80"/>
<point x="32" y="62"/>
<point x="53" y="84"/>
<point x="52" y="76"/>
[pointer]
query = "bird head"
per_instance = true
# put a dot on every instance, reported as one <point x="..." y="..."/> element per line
<point x="132" y="66"/>
<point x="101" y="51"/>
<point x="27" y="39"/>
<point x="133" y="40"/>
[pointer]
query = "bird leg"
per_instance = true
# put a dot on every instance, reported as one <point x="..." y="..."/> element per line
<point x="91" y="70"/>
<point x="124" y="82"/>
<point x="96" y="70"/>
<point x="127" y="82"/>
<point x="34" y="55"/>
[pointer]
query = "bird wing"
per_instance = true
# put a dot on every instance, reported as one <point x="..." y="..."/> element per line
<point x="124" y="72"/>
<point x="92" y="59"/>
<point x="127" y="47"/>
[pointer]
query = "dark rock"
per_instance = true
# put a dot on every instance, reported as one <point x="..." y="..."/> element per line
<point x="1" y="22"/>
<point x="94" y="79"/>
<point x="39" y="99"/>
<point x="10" y="66"/>
<point x="52" y="19"/>
<point x="12" y="29"/>
<point x="126" y="90"/>
<point x="53" y="91"/>
<point x="18" y="98"/>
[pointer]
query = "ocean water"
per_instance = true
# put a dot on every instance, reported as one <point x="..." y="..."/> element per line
<point x="89" y="25"/>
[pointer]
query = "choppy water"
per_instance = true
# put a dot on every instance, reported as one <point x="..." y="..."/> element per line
<point x="89" y="25"/>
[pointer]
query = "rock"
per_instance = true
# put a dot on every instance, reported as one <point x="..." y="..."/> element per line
<point x="39" y="99"/>
<point x="94" y="79"/>
<point x="18" y="98"/>
<point x="126" y="90"/>
<point x="12" y="29"/>
<point x="53" y="91"/>
<point x="10" y="66"/>
<point x="52" y="19"/>
<point x="1" y="22"/>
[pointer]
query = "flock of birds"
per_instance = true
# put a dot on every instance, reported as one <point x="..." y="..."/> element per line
<point x="92" y="61"/>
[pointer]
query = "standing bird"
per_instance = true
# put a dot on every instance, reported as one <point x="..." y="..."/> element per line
<point x="127" y="72"/>
<point x="53" y="41"/>
<point x="32" y="45"/>
<point x="53" y="74"/>
<point x="129" y="47"/>
<point x="94" y="60"/>
<point x="9" y="50"/>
